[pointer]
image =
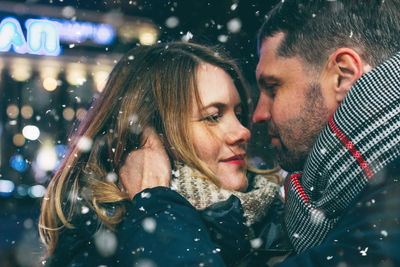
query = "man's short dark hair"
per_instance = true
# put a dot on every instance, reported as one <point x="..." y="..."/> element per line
<point x="315" y="29"/>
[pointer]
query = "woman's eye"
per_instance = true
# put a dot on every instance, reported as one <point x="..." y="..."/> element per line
<point x="213" y="118"/>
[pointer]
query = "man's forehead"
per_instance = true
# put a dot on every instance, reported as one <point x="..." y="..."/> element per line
<point x="268" y="53"/>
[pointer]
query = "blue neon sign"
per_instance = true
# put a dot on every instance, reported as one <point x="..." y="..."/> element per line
<point x="11" y="36"/>
<point x="44" y="35"/>
<point x="79" y="32"/>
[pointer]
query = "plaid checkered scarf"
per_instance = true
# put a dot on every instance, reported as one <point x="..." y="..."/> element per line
<point x="361" y="138"/>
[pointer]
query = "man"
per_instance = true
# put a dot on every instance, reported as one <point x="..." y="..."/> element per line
<point x="329" y="80"/>
<point x="336" y="123"/>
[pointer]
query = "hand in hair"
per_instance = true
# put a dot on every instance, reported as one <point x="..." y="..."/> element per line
<point x="147" y="167"/>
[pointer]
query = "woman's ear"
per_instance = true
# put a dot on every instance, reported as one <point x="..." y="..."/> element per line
<point x="342" y="70"/>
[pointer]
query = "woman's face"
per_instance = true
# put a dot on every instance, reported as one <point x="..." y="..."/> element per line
<point x="217" y="134"/>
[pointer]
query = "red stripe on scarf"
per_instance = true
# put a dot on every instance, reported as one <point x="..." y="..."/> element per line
<point x="295" y="180"/>
<point x="364" y="165"/>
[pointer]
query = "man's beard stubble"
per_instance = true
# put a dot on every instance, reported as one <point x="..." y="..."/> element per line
<point x="299" y="134"/>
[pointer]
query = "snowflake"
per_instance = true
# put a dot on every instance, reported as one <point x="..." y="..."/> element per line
<point x="256" y="243"/>
<point x="364" y="252"/>
<point x="149" y="225"/>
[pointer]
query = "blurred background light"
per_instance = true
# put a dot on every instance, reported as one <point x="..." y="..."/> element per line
<point x="100" y="78"/>
<point x="6" y="188"/>
<point x="27" y="112"/>
<point x="76" y="74"/>
<point x="68" y="114"/>
<point x="105" y="34"/>
<point x="21" y="69"/>
<point x="36" y="191"/>
<point x="22" y="190"/>
<point x="18" y="139"/>
<point x="49" y="68"/>
<point x="12" y="111"/>
<point x="49" y="84"/>
<point x="18" y="163"/>
<point x="81" y="113"/>
<point x="148" y="36"/>
<point x="31" y="132"/>
<point x="47" y="157"/>
<point x="60" y="150"/>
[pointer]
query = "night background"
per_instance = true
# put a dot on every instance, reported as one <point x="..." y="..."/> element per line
<point x="41" y="95"/>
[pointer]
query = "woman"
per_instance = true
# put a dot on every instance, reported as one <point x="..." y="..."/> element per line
<point x="195" y="100"/>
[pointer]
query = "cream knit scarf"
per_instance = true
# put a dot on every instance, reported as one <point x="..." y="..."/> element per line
<point x="202" y="193"/>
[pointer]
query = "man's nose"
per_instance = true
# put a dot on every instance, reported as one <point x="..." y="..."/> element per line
<point x="262" y="113"/>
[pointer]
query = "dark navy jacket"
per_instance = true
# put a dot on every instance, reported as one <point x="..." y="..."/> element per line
<point x="163" y="229"/>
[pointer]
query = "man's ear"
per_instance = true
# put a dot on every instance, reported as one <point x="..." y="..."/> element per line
<point x="343" y="68"/>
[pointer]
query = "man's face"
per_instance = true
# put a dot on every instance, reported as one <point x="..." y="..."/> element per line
<point x="291" y="101"/>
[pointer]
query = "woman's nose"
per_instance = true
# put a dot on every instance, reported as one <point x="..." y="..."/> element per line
<point x="238" y="135"/>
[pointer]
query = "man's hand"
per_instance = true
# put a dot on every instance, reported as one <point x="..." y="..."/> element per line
<point x="146" y="167"/>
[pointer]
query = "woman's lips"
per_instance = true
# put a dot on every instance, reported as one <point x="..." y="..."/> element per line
<point x="236" y="160"/>
<point x="240" y="162"/>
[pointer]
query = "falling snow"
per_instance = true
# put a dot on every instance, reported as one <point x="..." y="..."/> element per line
<point x="172" y="22"/>
<point x="234" y="25"/>
<point x="106" y="242"/>
<point x="256" y="243"/>
<point x="149" y="225"/>
<point x="84" y="144"/>
<point x="84" y="210"/>
<point x="145" y="195"/>
<point x="363" y="252"/>
<point x="187" y="37"/>
<point x="111" y="177"/>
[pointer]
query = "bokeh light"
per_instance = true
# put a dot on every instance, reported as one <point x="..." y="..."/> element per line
<point x="6" y="188"/>
<point x="18" y="139"/>
<point x="76" y="74"/>
<point x="148" y="36"/>
<point x="36" y="191"/>
<point x="12" y="111"/>
<point x="81" y="113"/>
<point x="50" y="84"/>
<point x="47" y="157"/>
<point x="18" y="163"/>
<point x="31" y="132"/>
<point x="21" y="69"/>
<point x="100" y="79"/>
<point x="27" y="112"/>
<point x="68" y="114"/>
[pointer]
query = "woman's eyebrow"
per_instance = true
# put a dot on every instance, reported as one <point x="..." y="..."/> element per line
<point x="218" y="105"/>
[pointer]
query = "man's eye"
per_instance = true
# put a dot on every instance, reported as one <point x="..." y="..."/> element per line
<point x="271" y="89"/>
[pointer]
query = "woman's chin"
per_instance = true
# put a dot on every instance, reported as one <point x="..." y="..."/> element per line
<point x="234" y="182"/>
